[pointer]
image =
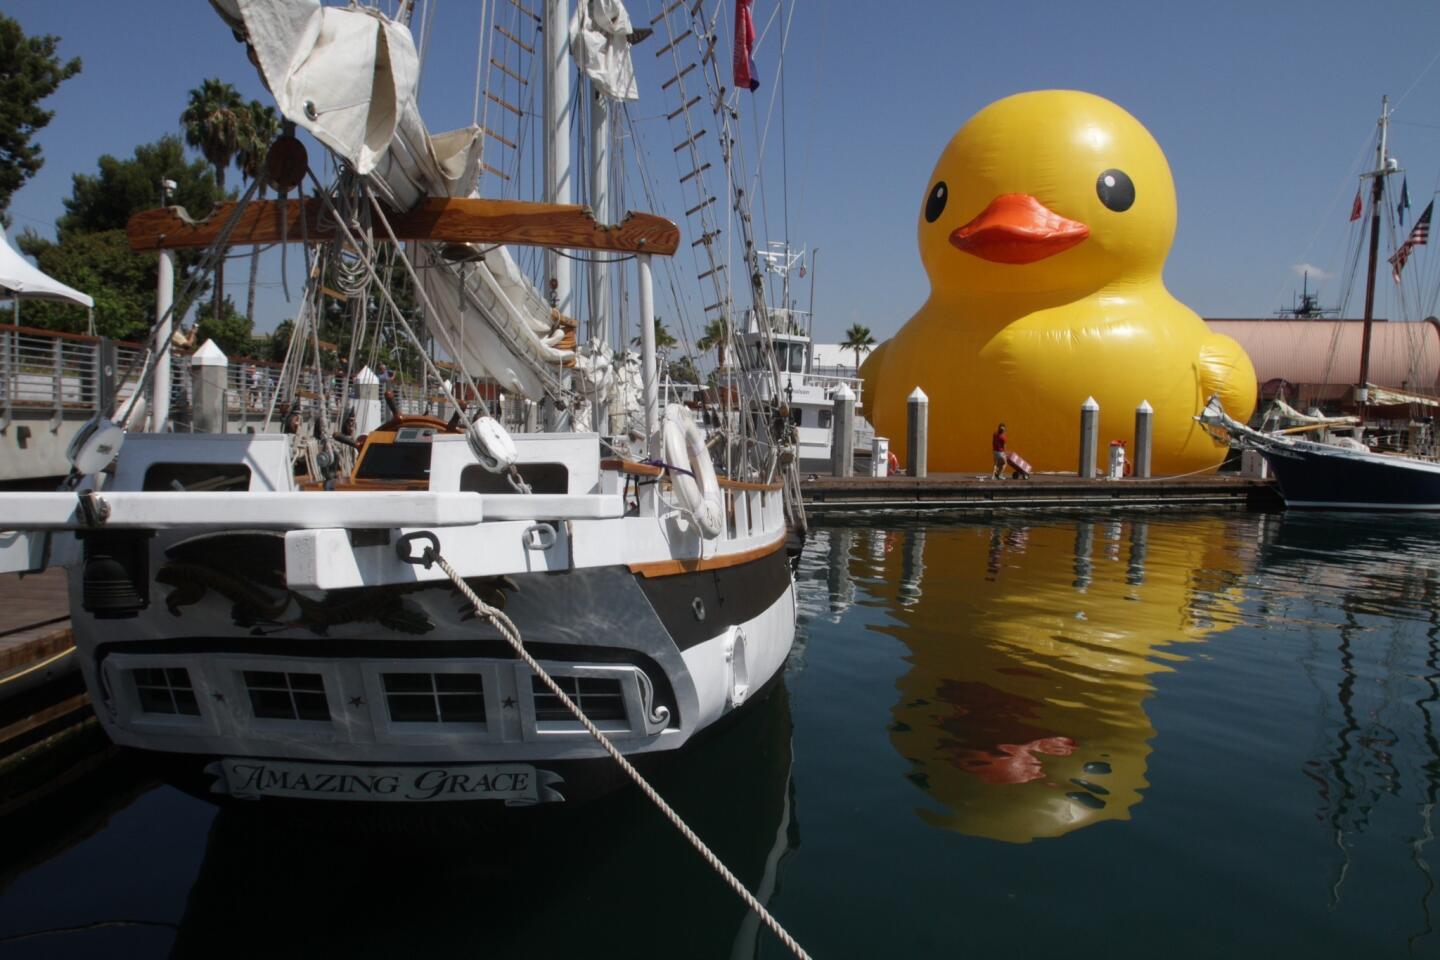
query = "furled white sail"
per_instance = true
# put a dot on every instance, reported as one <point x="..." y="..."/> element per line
<point x="600" y="43"/>
<point x="348" y="76"/>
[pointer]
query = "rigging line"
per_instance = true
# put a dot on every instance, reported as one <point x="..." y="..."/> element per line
<point x="1415" y="84"/>
<point x="814" y="98"/>
<point x="1367" y="144"/>
<point x="479" y="64"/>
<point x="781" y="76"/>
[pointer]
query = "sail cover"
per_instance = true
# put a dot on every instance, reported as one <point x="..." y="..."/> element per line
<point x="1386" y="397"/>
<point x="600" y="43"/>
<point x="348" y="76"/>
<point x="19" y="279"/>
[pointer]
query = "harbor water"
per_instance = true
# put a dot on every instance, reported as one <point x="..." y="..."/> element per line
<point x="1118" y="735"/>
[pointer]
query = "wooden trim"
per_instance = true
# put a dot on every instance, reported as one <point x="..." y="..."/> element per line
<point x="747" y="485"/>
<point x="56" y="334"/>
<point x="650" y="470"/>
<point x="440" y="219"/>
<point x="632" y="468"/>
<point x="669" y="568"/>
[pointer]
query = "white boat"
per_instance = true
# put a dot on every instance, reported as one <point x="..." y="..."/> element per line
<point x="298" y="637"/>
<point x="807" y="393"/>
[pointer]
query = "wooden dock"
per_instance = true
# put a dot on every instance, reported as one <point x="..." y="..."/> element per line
<point x="969" y="492"/>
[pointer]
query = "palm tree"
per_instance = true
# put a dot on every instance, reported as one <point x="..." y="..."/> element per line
<point x="717" y="334"/>
<point x="858" y="338"/>
<point x="663" y="340"/>
<point x="261" y="129"/>
<point x="215" y="120"/>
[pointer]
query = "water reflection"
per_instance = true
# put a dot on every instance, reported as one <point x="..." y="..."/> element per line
<point x="610" y="879"/>
<point x="1030" y="648"/>
<point x="1377" y="679"/>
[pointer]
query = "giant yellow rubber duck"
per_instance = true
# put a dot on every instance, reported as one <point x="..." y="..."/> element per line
<point x="1044" y="229"/>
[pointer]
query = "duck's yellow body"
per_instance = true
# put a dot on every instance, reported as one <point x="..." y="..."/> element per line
<point x="1044" y="231"/>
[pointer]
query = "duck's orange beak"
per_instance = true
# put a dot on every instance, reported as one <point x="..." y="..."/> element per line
<point x="1017" y="228"/>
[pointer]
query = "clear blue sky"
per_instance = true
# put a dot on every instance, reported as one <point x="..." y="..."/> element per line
<point x="1263" y="110"/>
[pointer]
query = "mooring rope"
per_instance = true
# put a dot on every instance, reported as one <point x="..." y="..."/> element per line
<point x="511" y="634"/>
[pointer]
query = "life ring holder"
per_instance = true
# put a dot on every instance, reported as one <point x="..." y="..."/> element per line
<point x="697" y="490"/>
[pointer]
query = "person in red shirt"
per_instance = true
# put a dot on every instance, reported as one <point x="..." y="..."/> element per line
<point x="997" y="446"/>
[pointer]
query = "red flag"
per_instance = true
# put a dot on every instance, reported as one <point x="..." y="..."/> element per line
<point x="744" y="43"/>
<point x="1357" y="207"/>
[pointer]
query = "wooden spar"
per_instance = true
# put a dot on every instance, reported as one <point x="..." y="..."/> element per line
<point x="441" y="219"/>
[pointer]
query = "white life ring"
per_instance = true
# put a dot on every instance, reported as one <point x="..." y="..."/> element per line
<point x="699" y="494"/>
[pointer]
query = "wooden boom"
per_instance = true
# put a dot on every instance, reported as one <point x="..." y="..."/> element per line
<point x="440" y="219"/>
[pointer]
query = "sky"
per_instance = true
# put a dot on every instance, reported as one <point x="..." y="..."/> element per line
<point x="1264" y="110"/>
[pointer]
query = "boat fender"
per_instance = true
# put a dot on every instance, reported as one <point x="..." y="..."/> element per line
<point x="699" y="492"/>
<point x="491" y="444"/>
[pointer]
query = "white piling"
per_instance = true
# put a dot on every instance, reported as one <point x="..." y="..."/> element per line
<point x="842" y="440"/>
<point x="1089" y="437"/>
<point x="1144" y="432"/>
<point x="207" y="373"/>
<point x="917" y="434"/>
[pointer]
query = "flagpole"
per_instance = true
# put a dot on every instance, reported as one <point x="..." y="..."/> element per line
<point x="1362" y="393"/>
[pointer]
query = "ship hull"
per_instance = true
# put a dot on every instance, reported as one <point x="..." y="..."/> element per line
<point x="1314" y="476"/>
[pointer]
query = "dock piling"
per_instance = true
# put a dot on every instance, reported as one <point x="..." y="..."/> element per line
<point x="1144" y="429"/>
<point x="917" y="434"/>
<point x="208" y="369"/>
<point x="1089" y="437"/>
<point x="842" y="441"/>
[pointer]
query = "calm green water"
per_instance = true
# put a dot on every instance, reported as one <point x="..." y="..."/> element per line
<point x="1127" y="736"/>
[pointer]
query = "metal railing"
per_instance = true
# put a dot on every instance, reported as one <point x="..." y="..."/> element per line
<point x="47" y="374"/>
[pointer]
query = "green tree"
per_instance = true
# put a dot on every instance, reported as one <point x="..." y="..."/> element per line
<point x="29" y="72"/>
<point x="229" y="328"/>
<point x="858" y="338"/>
<point x="92" y="226"/>
<point x="101" y="264"/>
<point x="261" y="130"/>
<point x="682" y="371"/>
<point x="717" y="335"/>
<point x="216" y="121"/>
<point x="121" y="188"/>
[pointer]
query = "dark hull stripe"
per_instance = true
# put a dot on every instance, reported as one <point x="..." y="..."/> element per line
<point x="727" y="596"/>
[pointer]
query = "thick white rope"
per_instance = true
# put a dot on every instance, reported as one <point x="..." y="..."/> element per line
<point x="511" y="633"/>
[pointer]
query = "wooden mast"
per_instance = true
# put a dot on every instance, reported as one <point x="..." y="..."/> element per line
<point x="1377" y="191"/>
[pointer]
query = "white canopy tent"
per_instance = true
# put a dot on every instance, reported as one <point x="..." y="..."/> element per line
<point x="22" y="281"/>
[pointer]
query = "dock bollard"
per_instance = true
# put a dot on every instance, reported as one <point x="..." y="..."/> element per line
<point x="842" y="437"/>
<point x="207" y="373"/>
<point x="1144" y="429"/>
<point x="1089" y="437"/>
<point x="880" y="457"/>
<point x="917" y="433"/>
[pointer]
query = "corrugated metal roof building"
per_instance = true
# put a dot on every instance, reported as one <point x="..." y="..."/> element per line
<point x="1318" y="361"/>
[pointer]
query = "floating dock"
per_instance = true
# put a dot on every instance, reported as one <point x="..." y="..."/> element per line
<point x="969" y="492"/>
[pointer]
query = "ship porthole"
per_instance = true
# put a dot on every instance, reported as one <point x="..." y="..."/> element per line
<point x="698" y="606"/>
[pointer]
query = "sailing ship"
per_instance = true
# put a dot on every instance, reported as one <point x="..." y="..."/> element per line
<point x="1344" y="473"/>
<point x="401" y="616"/>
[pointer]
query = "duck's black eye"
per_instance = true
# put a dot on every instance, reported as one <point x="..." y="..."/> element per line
<point x="936" y="204"/>
<point x="1116" y="190"/>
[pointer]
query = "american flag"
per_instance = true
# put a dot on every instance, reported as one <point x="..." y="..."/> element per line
<point x="1419" y="234"/>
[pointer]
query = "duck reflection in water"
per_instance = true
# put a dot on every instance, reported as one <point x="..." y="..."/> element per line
<point x="1031" y="647"/>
